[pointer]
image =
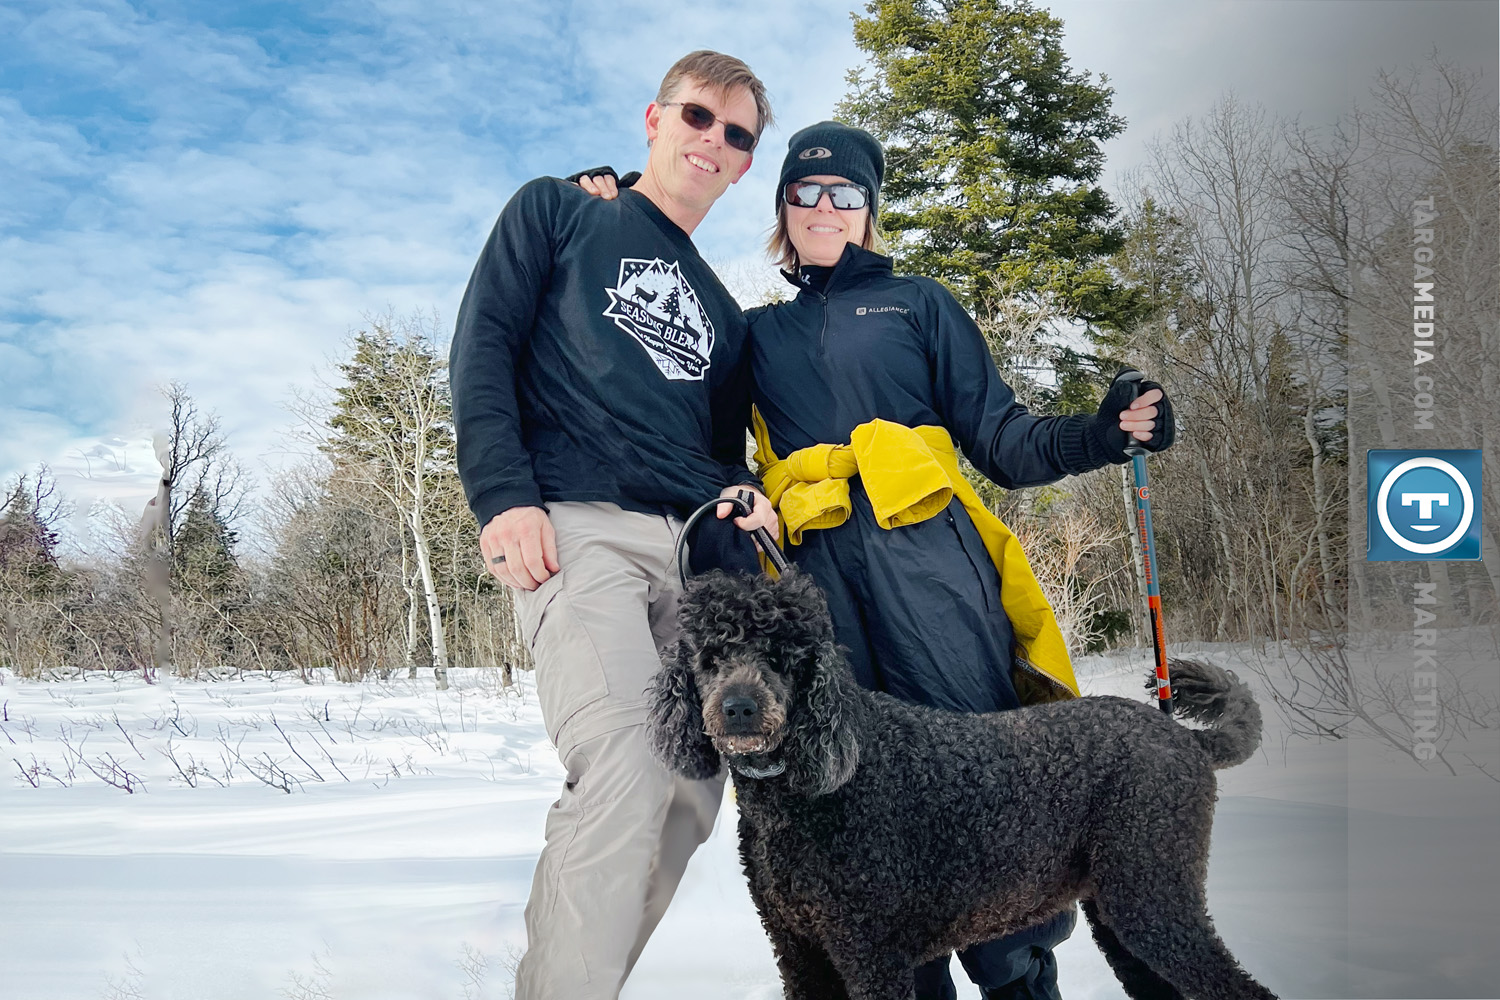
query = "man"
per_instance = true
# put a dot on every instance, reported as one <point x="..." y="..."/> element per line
<point x="600" y="391"/>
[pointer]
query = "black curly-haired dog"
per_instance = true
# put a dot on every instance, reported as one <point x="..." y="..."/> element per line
<point x="877" y="834"/>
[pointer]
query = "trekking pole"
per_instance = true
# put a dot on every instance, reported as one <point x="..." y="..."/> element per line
<point x="1147" y="538"/>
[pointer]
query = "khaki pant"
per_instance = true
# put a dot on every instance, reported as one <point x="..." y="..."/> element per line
<point x="621" y="834"/>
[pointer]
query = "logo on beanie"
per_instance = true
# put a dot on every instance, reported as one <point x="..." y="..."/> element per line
<point x="816" y="153"/>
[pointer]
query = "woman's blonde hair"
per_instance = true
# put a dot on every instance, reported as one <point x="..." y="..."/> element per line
<point x="783" y="253"/>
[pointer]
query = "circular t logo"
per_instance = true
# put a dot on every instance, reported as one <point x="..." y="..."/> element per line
<point x="1422" y="497"/>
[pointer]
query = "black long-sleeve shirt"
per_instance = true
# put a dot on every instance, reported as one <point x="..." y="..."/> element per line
<point x="598" y="358"/>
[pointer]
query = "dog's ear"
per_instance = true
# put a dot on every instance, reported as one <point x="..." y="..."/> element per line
<point x="803" y="608"/>
<point x="824" y="739"/>
<point x="674" y="728"/>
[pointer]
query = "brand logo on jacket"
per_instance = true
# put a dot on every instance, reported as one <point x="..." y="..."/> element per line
<point x="816" y="153"/>
<point x="654" y="303"/>
<point x="872" y="310"/>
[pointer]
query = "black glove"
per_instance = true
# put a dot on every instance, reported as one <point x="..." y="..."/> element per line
<point x="623" y="182"/>
<point x="1106" y="426"/>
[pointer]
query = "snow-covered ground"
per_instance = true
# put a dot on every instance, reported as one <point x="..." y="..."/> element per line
<point x="287" y="839"/>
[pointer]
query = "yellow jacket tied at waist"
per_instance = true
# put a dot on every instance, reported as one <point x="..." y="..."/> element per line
<point x="910" y="474"/>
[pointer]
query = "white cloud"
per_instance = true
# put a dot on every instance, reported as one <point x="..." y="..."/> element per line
<point x="232" y="236"/>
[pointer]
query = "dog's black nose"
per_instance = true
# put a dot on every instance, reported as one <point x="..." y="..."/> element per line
<point x="741" y="714"/>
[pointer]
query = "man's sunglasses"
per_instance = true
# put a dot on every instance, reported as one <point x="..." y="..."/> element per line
<point x="843" y="194"/>
<point x="700" y="118"/>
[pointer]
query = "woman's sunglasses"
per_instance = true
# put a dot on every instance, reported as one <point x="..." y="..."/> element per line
<point x="700" y="118"/>
<point x="844" y="194"/>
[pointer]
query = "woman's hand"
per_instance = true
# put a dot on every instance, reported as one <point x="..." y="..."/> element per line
<point x="1139" y="420"/>
<point x="600" y="186"/>
<point x="1146" y="419"/>
<point x="763" y="516"/>
<point x="602" y="182"/>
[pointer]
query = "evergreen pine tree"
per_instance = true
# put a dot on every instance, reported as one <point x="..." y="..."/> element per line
<point x="28" y="542"/>
<point x="203" y="549"/>
<point x="993" y="145"/>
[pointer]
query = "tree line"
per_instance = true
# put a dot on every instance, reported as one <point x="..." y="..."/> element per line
<point x="1249" y="267"/>
<point x="365" y="562"/>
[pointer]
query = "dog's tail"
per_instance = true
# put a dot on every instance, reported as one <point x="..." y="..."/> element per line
<point x="1215" y="696"/>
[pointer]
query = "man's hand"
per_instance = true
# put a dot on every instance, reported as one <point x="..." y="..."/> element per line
<point x="519" y="547"/>
<point x="763" y="516"/>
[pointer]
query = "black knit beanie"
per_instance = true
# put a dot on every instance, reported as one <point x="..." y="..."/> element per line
<point x="835" y="149"/>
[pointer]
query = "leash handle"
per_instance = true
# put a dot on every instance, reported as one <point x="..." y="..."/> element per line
<point x="1146" y="539"/>
<point x="774" y="555"/>
<point x="744" y="505"/>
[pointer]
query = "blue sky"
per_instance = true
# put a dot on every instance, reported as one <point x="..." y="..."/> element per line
<point x="221" y="192"/>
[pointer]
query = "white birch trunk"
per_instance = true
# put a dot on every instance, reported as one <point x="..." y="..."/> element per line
<point x="429" y="591"/>
<point x="409" y="585"/>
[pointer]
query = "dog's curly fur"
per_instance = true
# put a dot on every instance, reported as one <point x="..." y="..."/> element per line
<point x="897" y="833"/>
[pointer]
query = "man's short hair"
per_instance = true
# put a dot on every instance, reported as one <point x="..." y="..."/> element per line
<point x="722" y="73"/>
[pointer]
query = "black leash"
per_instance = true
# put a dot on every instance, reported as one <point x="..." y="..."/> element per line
<point x="744" y="505"/>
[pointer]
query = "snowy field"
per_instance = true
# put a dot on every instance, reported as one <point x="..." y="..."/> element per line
<point x="263" y="837"/>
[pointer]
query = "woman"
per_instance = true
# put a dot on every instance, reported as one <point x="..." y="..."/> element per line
<point x="863" y="384"/>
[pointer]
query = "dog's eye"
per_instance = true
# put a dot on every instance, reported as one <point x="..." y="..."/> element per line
<point x="802" y="665"/>
<point x="711" y="665"/>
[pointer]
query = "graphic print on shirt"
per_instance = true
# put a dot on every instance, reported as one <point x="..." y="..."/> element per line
<point x="654" y="303"/>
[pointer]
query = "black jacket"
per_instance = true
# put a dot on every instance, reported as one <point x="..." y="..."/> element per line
<point x="596" y="357"/>
<point x="872" y="344"/>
